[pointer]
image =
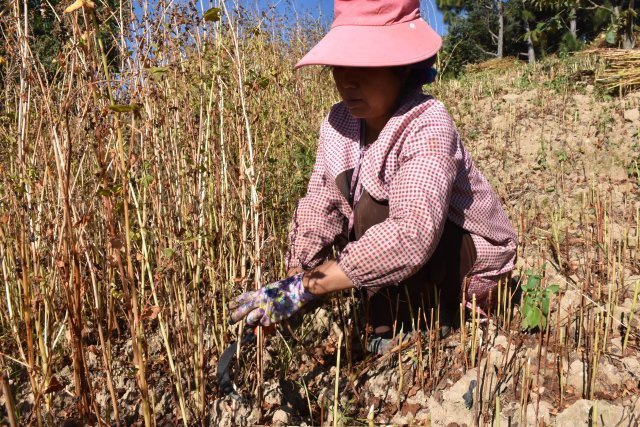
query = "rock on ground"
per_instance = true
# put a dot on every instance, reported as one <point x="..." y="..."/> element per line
<point x="280" y="418"/>
<point x="228" y="412"/>
<point x="599" y="412"/>
<point x="544" y="413"/>
<point x="632" y="115"/>
<point x="453" y="408"/>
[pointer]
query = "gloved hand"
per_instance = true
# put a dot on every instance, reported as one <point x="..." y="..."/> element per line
<point x="272" y="303"/>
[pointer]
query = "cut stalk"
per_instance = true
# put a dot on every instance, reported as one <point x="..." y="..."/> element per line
<point x="336" y="396"/>
<point x="633" y="309"/>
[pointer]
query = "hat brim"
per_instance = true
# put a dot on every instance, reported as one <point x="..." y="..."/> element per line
<point x="375" y="46"/>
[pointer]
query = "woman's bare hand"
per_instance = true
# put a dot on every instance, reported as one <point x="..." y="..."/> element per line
<point x="326" y="278"/>
<point x="294" y="271"/>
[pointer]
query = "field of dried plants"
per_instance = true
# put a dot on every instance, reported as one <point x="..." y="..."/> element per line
<point x="137" y="195"/>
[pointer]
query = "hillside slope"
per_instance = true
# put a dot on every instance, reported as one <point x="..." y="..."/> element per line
<point x="565" y="158"/>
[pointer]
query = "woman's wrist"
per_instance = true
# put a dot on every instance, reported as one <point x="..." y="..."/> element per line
<point x="326" y="278"/>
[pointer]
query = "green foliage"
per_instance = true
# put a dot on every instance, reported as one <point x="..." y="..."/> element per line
<point x="561" y="156"/>
<point x="213" y="15"/>
<point x="633" y="169"/>
<point x="535" y="301"/>
<point x="541" y="157"/>
<point x="50" y="32"/>
<point x="569" y="44"/>
<point x="554" y="26"/>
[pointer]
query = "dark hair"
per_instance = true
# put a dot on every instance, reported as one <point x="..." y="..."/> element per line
<point x="420" y="74"/>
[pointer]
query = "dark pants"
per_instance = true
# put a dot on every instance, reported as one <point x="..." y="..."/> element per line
<point x="440" y="280"/>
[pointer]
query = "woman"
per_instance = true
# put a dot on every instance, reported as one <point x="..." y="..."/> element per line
<point x="393" y="188"/>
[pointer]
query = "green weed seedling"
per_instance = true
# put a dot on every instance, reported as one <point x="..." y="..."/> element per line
<point x="535" y="301"/>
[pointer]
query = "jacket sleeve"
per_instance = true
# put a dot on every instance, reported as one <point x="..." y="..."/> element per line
<point x="419" y="198"/>
<point x="317" y="219"/>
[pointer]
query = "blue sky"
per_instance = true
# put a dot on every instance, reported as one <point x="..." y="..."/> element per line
<point x="324" y="8"/>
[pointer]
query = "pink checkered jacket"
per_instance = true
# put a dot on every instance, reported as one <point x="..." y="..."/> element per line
<point x="419" y="165"/>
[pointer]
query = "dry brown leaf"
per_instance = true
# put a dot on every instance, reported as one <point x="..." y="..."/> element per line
<point x="150" y="312"/>
<point x="54" y="385"/>
<point x="410" y="408"/>
<point x="117" y="244"/>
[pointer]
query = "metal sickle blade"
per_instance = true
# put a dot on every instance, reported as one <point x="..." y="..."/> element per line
<point x="223" y="374"/>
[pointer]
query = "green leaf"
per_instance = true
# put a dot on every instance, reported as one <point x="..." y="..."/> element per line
<point x="263" y="82"/>
<point x="213" y="14"/>
<point x="545" y="307"/>
<point x="168" y="252"/>
<point x="611" y="36"/>
<point x="531" y="319"/>
<point x="109" y="191"/>
<point x="157" y="72"/>
<point x="115" y="293"/>
<point x="533" y="281"/>
<point x="104" y="192"/>
<point x="11" y="115"/>
<point x="554" y="289"/>
<point x="122" y="108"/>
<point x="145" y="180"/>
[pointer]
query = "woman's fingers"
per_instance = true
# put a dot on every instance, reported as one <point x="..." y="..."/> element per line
<point x="255" y="317"/>
<point x="242" y="299"/>
<point x="241" y="311"/>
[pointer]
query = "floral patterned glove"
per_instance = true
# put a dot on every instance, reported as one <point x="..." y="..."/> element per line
<point x="272" y="303"/>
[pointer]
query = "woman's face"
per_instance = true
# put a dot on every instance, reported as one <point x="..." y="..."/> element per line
<point x="370" y="93"/>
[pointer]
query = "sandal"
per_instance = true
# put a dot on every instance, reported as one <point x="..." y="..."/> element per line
<point x="384" y="342"/>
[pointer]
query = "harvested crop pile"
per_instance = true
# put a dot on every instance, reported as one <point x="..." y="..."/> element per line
<point x="494" y="64"/>
<point x="621" y="68"/>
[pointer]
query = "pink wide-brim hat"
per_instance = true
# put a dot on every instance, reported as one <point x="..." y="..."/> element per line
<point x="375" y="33"/>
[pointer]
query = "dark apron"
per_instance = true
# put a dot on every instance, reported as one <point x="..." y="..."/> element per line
<point x="440" y="279"/>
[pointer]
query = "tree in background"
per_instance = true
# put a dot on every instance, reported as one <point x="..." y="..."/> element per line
<point x="49" y="31"/>
<point x="479" y="30"/>
<point x="572" y="23"/>
<point x="621" y="26"/>
<point x="526" y="15"/>
<point x="566" y="11"/>
<point x="481" y="19"/>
